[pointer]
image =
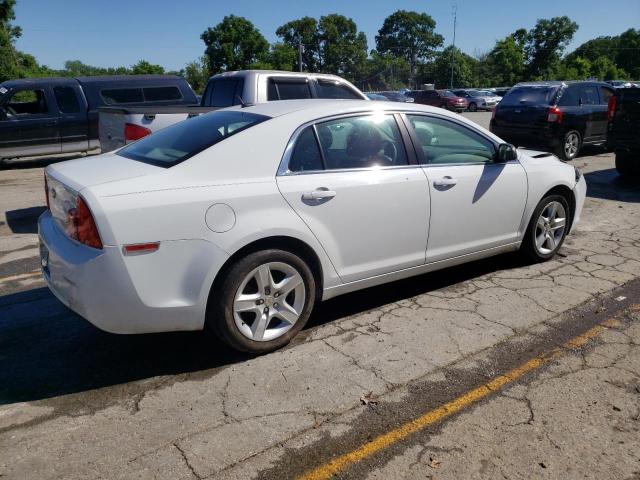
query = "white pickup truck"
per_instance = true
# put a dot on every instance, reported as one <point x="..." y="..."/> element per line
<point x="121" y="125"/>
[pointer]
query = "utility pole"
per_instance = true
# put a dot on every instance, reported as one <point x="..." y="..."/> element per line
<point x="453" y="48"/>
<point x="300" y="50"/>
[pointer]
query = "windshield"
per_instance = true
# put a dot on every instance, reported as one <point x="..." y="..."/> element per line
<point x="473" y="93"/>
<point x="178" y="142"/>
<point x="529" y="95"/>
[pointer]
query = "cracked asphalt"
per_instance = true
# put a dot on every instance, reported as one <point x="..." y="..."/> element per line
<point x="76" y="402"/>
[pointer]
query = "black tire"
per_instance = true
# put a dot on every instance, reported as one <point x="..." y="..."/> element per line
<point x="473" y="107"/>
<point x="564" y="151"/>
<point x="528" y="247"/>
<point x="627" y="164"/>
<point x="220" y="315"/>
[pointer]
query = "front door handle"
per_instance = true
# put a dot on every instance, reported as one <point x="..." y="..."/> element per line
<point x="318" y="194"/>
<point x="445" y="182"/>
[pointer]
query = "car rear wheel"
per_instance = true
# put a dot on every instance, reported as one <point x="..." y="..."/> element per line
<point x="626" y="165"/>
<point x="547" y="229"/>
<point x="263" y="301"/>
<point x="473" y="107"/>
<point x="570" y="145"/>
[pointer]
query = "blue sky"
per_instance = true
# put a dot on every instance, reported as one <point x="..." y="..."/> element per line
<point x="121" y="32"/>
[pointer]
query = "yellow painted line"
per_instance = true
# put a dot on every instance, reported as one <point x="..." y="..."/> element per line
<point x="328" y="470"/>
<point x="21" y="276"/>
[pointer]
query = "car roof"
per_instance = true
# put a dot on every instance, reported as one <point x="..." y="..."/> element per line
<point x="557" y="83"/>
<point x="248" y="73"/>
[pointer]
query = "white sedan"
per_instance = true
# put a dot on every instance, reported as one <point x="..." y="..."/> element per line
<point x="241" y="219"/>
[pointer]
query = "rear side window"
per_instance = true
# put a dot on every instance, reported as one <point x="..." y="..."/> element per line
<point x="569" y="97"/>
<point x="66" y="99"/>
<point x="288" y="89"/>
<point x="306" y="153"/>
<point x="178" y="142"/>
<point x="529" y="95"/>
<point x="331" y="89"/>
<point x="161" y="94"/>
<point x="589" y="95"/>
<point x="113" y="96"/>
<point x="224" y="92"/>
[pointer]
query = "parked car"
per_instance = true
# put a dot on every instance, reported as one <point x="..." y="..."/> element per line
<point x="119" y="126"/>
<point x="621" y="83"/>
<point x="376" y="97"/>
<point x="478" y="99"/>
<point x="43" y="116"/>
<point x="396" y="97"/>
<point x="624" y="130"/>
<point x="501" y="91"/>
<point x="206" y="224"/>
<point x="439" y="98"/>
<point x="559" y="116"/>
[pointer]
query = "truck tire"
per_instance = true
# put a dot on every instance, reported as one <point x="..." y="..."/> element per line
<point x="627" y="164"/>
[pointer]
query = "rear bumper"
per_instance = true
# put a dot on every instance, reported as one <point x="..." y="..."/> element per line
<point x="527" y="136"/>
<point x="137" y="294"/>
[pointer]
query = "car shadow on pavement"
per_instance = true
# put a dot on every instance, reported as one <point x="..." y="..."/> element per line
<point x="24" y="220"/>
<point x="600" y="183"/>
<point x="47" y="351"/>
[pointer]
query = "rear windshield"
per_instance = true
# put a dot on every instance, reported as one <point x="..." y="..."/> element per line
<point x="529" y="95"/>
<point x="178" y="142"/>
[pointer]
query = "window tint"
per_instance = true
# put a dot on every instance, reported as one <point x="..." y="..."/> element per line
<point x="569" y="97"/>
<point x="443" y="141"/>
<point x="26" y="102"/>
<point x="330" y="89"/>
<point x="176" y="143"/>
<point x="589" y="95"/>
<point x="281" y="89"/>
<point x="529" y="95"/>
<point x="66" y="99"/>
<point x="224" y="92"/>
<point x="160" y="94"/>
<point x="122" y="95"/>
<point x="605" y="95"/>
<point x="306" y="153"/>
<point x="361" y="142"/>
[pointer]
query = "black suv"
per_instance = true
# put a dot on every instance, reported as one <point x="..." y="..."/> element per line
<point x="559" y="116"/>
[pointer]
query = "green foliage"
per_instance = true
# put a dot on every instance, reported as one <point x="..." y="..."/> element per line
<point x="145" y="68"/>
<point x="197" y="74"/>
<point x="384" y="72"/>
<point x="438" y="72"/>
<point x="283" y="57"/>
<point x="628" y="57"/>
<point x="545" y="44"/>
<point x="343" y="49"/>
<point x="234" y="44"/>
<point x="304" y="30"/>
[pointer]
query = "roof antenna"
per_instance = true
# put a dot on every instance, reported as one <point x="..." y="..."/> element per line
<point x="242" y="102"/>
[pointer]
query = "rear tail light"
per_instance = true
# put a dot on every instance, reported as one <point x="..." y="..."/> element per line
<point x="135" y="132"/>
<point x="46" y="191"/>
<point x="555" y="115"/>
<point x="81" y="225"/>
<point x="611" y="109"/>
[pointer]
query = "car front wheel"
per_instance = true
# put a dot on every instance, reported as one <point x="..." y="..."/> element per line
<point x="473" y="107"/>
<point x="547" y="229"/>
<point x="263" y="301"/>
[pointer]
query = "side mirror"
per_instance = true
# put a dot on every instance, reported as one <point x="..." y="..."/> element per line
<point x="506" y="153"/>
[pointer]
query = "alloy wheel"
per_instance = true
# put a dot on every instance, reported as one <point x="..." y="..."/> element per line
<point x="571" y="145"/>
<point x="550" y="228"/>
<point x="269" y="301"/>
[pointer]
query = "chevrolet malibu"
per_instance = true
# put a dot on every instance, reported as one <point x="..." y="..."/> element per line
<point x="242" y="219"/>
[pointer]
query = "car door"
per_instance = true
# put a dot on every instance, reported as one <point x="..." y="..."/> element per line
<point x="602" y="112"/>
<point x="29" y="123"/>
<point x="589" y="101"/>
<point x="73" y="123"/>
<point x="364" y="197"/>
<point x="476" y="202"/>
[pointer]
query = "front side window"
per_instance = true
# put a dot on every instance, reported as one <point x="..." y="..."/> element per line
<point x="26" y="102"/>
<point x="66" y="99"/>
<point x="446" y="142"/>
<point x="288" y="89"/>
<point x="361" y="142"/>
<point x="333" y="89"/>
<point x="176" y="143"/>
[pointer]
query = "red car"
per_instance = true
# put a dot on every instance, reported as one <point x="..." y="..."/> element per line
<point x="439" y="98"/>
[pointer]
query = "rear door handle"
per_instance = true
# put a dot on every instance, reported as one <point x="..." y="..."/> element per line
<point x="321" y="193"/>
<point x="445" y="182"/>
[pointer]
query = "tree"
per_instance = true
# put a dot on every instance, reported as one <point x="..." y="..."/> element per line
<point x="506" y="62"/>
<point x="8" y="34"/>
<point x="304" y="30"/>
<point x="343" y="49"/>
<point x="283" y="57"/>
<point x="410" y="35"/>
<point x="197" y="74"/>
<point x="234" y="44"/>
<point x="595" y="48"/>
<point x="145" y="68"/>
<point x="604" y="68"/>
<point x="384" y="72"/>
<point x="438" y="72"/>
<point x="628" y="57"/>
<point x="545" y="44"/>
<point x="575" y="68"/>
